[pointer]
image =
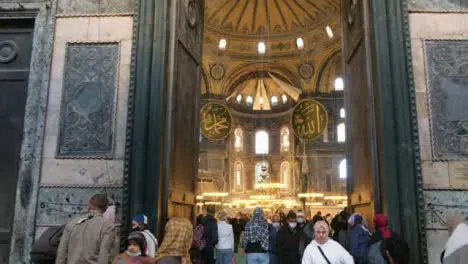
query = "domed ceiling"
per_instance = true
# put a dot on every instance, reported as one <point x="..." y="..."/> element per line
<point x="272" y="18"/>
<point x="277" y="22"/>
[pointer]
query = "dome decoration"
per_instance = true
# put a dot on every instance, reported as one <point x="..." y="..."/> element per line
<point x="262" y="93"/>
<point x="269" y="28"/>
<point x="275" y="19"/>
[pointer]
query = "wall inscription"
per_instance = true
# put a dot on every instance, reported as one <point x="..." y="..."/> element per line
<point x="447" y="82"/>
<point x="88" y="96"/>
<point x="309" y="119"/>
<point x="215" y="122"/>
<point x="458" y="173"/>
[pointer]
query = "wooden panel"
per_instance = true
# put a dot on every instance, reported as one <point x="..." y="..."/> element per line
<point x="358" y="98"/>
<point x="15" y="56"/>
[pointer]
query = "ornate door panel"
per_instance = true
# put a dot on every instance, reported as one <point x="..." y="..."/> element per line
<point x="15" y="56"/>
<point x="185" y="71"/>
<point x="360" y="109"/>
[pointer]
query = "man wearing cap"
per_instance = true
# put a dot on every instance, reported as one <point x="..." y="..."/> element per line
<point x="140" y="223"/>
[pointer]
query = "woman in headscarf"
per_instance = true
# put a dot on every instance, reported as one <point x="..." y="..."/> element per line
<point x="323" y="250"/>
<point x="382" y="231"/>
<point x="256" y="239"/>
<point x="358" y="238"/>
<point x="456" y="248"/>
<point x="176" y="244"/>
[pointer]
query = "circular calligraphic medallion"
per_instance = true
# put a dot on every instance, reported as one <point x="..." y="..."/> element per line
<point x="309" y="119"/>
<point x="215" y="121"/>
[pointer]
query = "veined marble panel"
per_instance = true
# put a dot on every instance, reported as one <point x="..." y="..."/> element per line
<point x="57" y="205"/>
<point x="438" y="5"/>
<point x="439" y="204"/>
<point x="447" y="82"/>
<point x="87" y="116"/>
<point x="66" y="7"/>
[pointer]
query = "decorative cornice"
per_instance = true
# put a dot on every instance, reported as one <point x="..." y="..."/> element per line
<point x="76" y="15"/>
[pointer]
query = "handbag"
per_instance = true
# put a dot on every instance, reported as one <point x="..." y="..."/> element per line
<point x="324" y="256"/>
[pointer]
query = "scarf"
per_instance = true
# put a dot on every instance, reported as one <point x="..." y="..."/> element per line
<point x="256" y="230"/>
<point x="381" y="225"/>
<point x="177" y="240"/>
<point x="358" y="221"/>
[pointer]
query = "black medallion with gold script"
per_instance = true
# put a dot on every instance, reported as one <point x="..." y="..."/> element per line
<point x="215" y="121"/>
<point x="309" y="119"/>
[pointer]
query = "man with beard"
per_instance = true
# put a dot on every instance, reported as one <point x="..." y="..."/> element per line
<point x="140" y="224"/>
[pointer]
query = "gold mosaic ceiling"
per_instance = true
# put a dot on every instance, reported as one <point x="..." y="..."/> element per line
<point x="277" y="22"/>
<point x="269" y="18"/>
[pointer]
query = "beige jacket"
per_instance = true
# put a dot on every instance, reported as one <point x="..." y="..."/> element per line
<point x="88" y="240"/>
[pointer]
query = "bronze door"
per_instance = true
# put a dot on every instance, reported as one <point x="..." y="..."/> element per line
<point x="15" y="57"/>
<point x="363" y="184"/>
<point x="184" y="78"/>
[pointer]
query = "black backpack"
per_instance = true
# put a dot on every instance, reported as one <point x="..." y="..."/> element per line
<point x="44" y="250"/>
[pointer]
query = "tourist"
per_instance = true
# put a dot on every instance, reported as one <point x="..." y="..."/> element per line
<point x="273" y="230"/>
<point x="392" y="250"/>
<point x="325" y="250"/>
<point x="339" y="224"/>
<point x="140" y="223"/>
<point x="287" y="241"/>
<point x="225" y="245"/>
<point x="237" y="226"/>
<point x="176" y="243"/>
<point x="456" y="248"/>
<point x="305" y="231"/>
<point x="358" y="238"/>
<point x="135" y="253"/>
<point x="210" y="235"/>
<point x="256" y="239"/>
<point x="89" y="239"/>
<point x="381" y="229"/>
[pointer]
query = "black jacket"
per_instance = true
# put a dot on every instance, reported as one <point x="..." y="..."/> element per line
<point x="210" y="231"/>
<point x="287" y="245"/>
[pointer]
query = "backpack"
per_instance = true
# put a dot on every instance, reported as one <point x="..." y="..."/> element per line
<point x="45" y="248"/>
<point x="199" y="237"/>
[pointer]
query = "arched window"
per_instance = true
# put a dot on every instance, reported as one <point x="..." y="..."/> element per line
<point x="285" y="140"/>
<point x="238" y="139"/>
<point x="342" y="169"/>
<point x="285" y="172"/>
<point x="325" y="134"/>
<point x="262" y="142"/>
<point x="339" y="84"/>
<point x="238" y="177"/>
<point x="341" y="132"/>
<point x="342" y="113"/>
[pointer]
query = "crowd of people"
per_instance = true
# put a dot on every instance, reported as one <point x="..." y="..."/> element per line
<point x="290" y="238"/>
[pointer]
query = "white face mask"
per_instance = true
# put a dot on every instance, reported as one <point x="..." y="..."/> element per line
<point x="300" y="220"/>
<point x="293" y="225"/>
<point x="275" y="225"/>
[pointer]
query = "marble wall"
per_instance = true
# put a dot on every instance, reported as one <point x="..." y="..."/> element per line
<point x="85" y="128"/>
<point x="439" y="43"/>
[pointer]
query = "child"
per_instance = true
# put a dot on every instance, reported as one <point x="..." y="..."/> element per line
<point x="135" y="253"/>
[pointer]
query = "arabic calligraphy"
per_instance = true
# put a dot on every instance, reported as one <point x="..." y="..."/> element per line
<point x="215" y="121"/>
<point x="309" y="119"/>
